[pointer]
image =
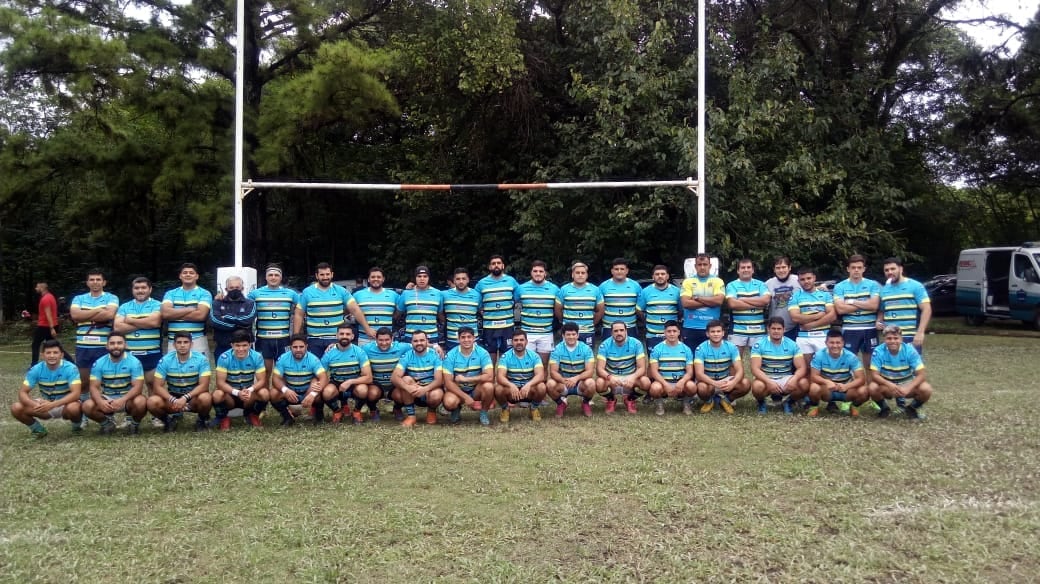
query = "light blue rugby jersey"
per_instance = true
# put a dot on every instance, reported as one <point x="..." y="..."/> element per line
<point x="378" y="308"/>
<point x="751" y="321"/>
<point x="520" y="368"/>
<point x="777" y="358"/>
<point x="455" y="363"/>
<point x="898" y="368"/>
<point x="838" y="369"/>
<point x="298" y="373"/>
<point x="814" y="302"/>
<point x="147" y="340"/>
<point x="89" y="336"/>
<point x="621" y="359"/>
<point x="274" y="311"/>
<point x="181" y="298"/>
<point x="116" y="377"/>
<point x="420" y="308"/>
<point x="579" y="305"/>
<point x="537" y="305"/>
<point x="460" y="309"/>
<point x="421" y="368"/>
<point x="383" y="362"/>
<point x="620" y="301"/>
<point x="324" y="310"/>
<point x="899" y="304"/>
<point x="848" y="291"/>
<point x="496" y="298"/>
<point x="660" y="306"/>
<point x="671" y="361"/>
<point x="571" y="362"/>
<point x="343" y="364"/>
<point x="182" y="377"/>
<point x="240" y="373"/>
<point x="716" y="360"/>
<point x="54" y="384"/>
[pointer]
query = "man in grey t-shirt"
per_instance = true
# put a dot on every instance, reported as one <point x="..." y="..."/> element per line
<point x="782" y="286"/>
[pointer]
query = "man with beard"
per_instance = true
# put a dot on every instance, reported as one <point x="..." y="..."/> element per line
<point x="620" y="297"/>
<point x="904" y="304"/>
<point x="323" y="307"/>
<point x="140" y="319"/>
<point x="571" y="372"/>
<point x="241" y="382"/>
<point x="659" y="303"/>
<point x="181" y="385"/>
<point x="461" y="306"/>
<point x="468" y="378"/>
<point x="376" y="303"/>
<point x="59" y="385"/>
<point x="496" y="306"/>
<point x="779" y="369"/>
<point x="536" y="299"/>
<point x="383" y="356"/>
<point x="233" y="312"/>
<point x="621" y="367"/>
<point x="93" y="313"/>
<point x="116" y="382"/>
<point x="418" y="381"/>
<point x="702" y="297"/>
<point x="349" y="376"/>
<point x="521" y="377"/>
<point x="421" y="307"/>
<point x="581" y="303"/>
<point x="275" y="305"/>
<point x="187" y="309"/>
<point x="298" y="380"/>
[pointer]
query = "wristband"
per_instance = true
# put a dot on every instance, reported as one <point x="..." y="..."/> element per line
<point x="235" y="392"/>
<point x="187" y="397"/>
<point x="172" y="399"/>
<point x="313" y="393"/>
<point x="250" y="388"/>
<point x="285" y="390"/>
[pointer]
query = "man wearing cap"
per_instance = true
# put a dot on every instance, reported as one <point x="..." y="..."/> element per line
<point x="275" y="305"/>
<point x="421" y="307"/>
<point x="323" y="307"/>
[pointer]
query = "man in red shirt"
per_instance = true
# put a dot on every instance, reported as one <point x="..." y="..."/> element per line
<point x="47" y="323"/>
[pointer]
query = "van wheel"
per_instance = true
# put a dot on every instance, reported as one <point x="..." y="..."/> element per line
<point x="975" y="320"/>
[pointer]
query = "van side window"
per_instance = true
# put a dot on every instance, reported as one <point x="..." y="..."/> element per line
<point x="1024" y="269"/>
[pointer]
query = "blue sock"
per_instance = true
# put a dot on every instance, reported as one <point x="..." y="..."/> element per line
<point x="586" y="400"/>
<point x="221" y="411"/>
<point x="36" y="426"/>
<point x="916" y="404"/>
<point x="882" y="403"/>
<point x="409" y="410"/>
<point x="283" y="408"/>
<point x="259" y="407"/>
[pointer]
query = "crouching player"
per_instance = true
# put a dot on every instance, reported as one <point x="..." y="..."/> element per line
<point x="718" y="370"/>
<point x="116" y="385"/>
<point x="383" y="356"/>
<point x="521" y="378"/>
<point x="181" y="384"/>
<point x="899" y="374"/>
<point x="671" y="368"/>
<point x="779" y="369"/>
<point x="298" y="378"/>
<point x="241" y="382"/>
<point x="621" y="364"/>
<point x="59" y="384"/>
<point x="349" y="376"/>
<point x="571" y="370"/>
<point x="468" y="373"/>
<point x="418" y="380"/>
<point x="837" y="375"/>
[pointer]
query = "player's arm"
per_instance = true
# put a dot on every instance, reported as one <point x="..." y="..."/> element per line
<point x="539" y="375"/>
<point x="736" y="371"/>
<point x="451" y="384"/>
<point x="691" y="302"/>
<point x="50" y="316"/>
<point x="359" y="316"/>
<point x="136" y="387"/>
<point x="159" y="387"/>
<point x="859" y="378"/>
<point x="715" y="299"/>
<point x="558" y="309"/>
<point x="299" y="318"/>
<point x="365" y="376"/>
<point x="655" y="373"/>
<point x="799" y="367"/>
<point x="700" y="375"/>
<point x="202" y="387"/>
<point x="601" y="367"/>
<point x="397" y="377"/>
<point x="640" y="366"/>
<point x="554" y="372"/>
<point x="24" y="396"/>
<point x="198" y="314"/>
<point x="169" y="312"/>
<point x="827" y="317"/>
<point x="222" y="382"/>
<point x="923" y="321"/>
<point x="83" y="314"/>
<point x="798" y="317"/>
<point x="437" y="382"/>
<point x="841" y="306"/>
<point x="598" y="315"/>
<point x="687" y="375"/>
<point x="502" y="377"/>
<point x="756" y="369"/>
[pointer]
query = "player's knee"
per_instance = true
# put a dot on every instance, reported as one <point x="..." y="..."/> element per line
<point x="17" y="409"/>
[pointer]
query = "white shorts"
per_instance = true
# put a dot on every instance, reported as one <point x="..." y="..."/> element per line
<point x="811" y="345"/>
<point x="542" y="343"/>
<point x="56" y="412"/>
<point x="783" y="381"/>
<point x="745" y="340"/>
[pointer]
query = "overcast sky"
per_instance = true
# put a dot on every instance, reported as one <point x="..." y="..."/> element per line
<point x="1020" y="11"/>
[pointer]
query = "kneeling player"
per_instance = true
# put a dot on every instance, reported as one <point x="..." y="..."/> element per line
<point x="671" y="368"/>
<point x="778" y="368"/>
<point x="837" y="375"/>
<point x="299" y="378"/>
<point x="718" y="370"/>
<point x="181" y="384"/>
<point x="59" y="384"/>
<point x="418" y="380"/>
<point x="900" y="375"/>
<point x="468" y="374"/>
<point x="571" y="370"/>
<point x="621" y="365"/>
<point x="349" y="376"/>
<point x="241" y="382"/>
<point x="521" y="378"/>
<point x="383" y="356"/>
<point x="116" y="382"/>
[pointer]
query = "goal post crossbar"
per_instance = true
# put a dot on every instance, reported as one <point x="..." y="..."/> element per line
<point x="249" y="185"/>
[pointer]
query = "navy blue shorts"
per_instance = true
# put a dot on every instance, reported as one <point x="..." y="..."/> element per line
<point x="149" y="361"/>
<point x="694" y="337"/>
<point x="272" y="348"/>
<point x="498" y="340"/>
<point x="860" y="341"/>
<point x="87" y="356"/>
<point x="317" y="346"/>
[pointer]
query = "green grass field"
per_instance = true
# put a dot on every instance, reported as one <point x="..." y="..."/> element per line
<point x="622" y="498"/>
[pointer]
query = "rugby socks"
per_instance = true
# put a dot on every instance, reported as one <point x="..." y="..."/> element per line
<point x="882" y="404"/>
<point x="916" y="404"/>
<point x="586" y="400"/>
<point x="221" y="410"/>
<point x="562" y="399"/>
<point x="409" y="410"/>
<point x="334" y="404"/>
<point x="259" y="407"/>
<point x="283" y="408"/>
<point x="36" y="426"/>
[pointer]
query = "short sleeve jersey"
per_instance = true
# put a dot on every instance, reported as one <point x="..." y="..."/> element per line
<point x="496" y="300"/>
<point x="54" y="384"/>
<point x="383" y="362"/>
<point x="537" y="305"/>
<point x="88" y="335"/>
<point x="477" y="362"/>
<point x="619" y="301"/>
<point x="898" y="368"/>
<point x="659" y="306"/>
<point x="274" y="311"/>
<point x="460" y="309"/>
<point x="847" y="290"/>
<point x="182" y="376"/>
<point x="716" y="361"/>
<point x="181" y="298"/>
<point x="145" y="340"/>
<point x="838" y="369"/>
<point x="748" y="321"/>
<point x="378" y="308"/>
<point x="777" y="358"/>
<point x="621" y="359"/>
<point x="421" y="368"/>
<point x="698" y="318"/>
<point x="324" y="310"/>
<point x="420" y="309"/>
<point x="579" y="305"/>
<point x="240" y="373"/>
<point x="782" y="291"/>
<point x="298" y="373"/>
<point x="343" y="364"/>
<point x="520" y="369"/>
<point x="671" y="361"/>
<point x="116" y="377"/>
<point x="900" y="302"/>
<point x="572" y="361"/>
<point x="814" y="302"/>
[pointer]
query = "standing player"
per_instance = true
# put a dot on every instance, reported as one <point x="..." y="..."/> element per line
<point x="905" y="304"/>
<point x="187" y="309"/>
<point x="581" y="303"/>
<point x="571" y="369"/>
<point x="856" y="300"/>
<point x="468" y="378"/>
<point x="298" y="378"/>
<point x="383" y="356"/>
<point x="47" y="326"/>
<point x="93" y="313"/>
<point x="461" y="305"/>
<point x="275" y="305"/>
<point x="702" y="298"/>
<point x="782" y="287"/>
<point x="536" y="299"/>
<point x="241" y="382"/>
<point x="233" y="312"/>
<point x="349" y="377"/>
<point x="621" y="368"/>
<point x="116" y="382"/>
<point x="813" y="311"/>
<point x="837" y="376"/>
<point x="181" y="385"/>
<point x="418" y="380"/>
<point x="659" y="303"/>
<point x="521" y="377"/>
<point x="59" y="385"/>
<point x="671" y="369"/>
<point x="718" y="371"/>
<point x="778" y="368"/>
<point x="376" y="303"/>
<point x="421" y="307"/>
<point x="323" y="307"/>
<point x="899" y="373"/>
<point x="620" y="298"/>
<point x="496" y="305"/>
<point x="748" y="298"/>
<point x="140" y="320"/>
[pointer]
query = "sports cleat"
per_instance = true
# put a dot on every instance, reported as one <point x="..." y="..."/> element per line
<point x="832" y="407"/>
<point x="844" y="407"/>
<point x="108" y="426"/>
<point x="561" y="408"/>
<point x="485" y="419"/>
<point x="727" y="406"/>
<point x="535" y="414"/>
<point x="659" y="408"/>
<point x="455" y="416"/>
<point x="871" y="405"/>
<point x="813" y="412"/>
<point x="254" y="420"/>
<point x="853" y="411"/>
<point x="708" y="406"/>
<point x="504" y="416"/>
<point x="611" y="404"/>
<point x="883" y="414"/>
<point x="134" y="428"/>
<point x="40" y="432"/>
<point x="687" y="408"/>
<point x="358" y="417"/>
<point x="786" y="404"/>
<point x="317" y="415"/>
<point x="373" y="416"/>
<point x="586" y="409"/>
<point x="901" y="405"/>
<point x="286" y="422"/>
<point x="170" y="424"/>
<point x="158" y="423"/>
<point x="338" y="415"/>
<point x="83" y="421"/>
<point x="77" y="427"/>
<point x="398" y="413"/>
<point x="630" y="406"/>
<point x="914" y="414"/>
<point x="225" y="424"/>
<point x="763" y="408"/>
<point x="431" y="417"/>
<point x="408" y="422"/>
<point x="201" y="425"/>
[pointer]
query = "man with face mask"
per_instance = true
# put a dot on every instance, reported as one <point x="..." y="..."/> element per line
<point x="233" y="312"/>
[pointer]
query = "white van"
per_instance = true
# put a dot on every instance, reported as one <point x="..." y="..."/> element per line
<point x="1000" y="282"/>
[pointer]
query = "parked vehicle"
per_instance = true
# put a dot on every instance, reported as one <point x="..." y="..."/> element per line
<point x="942" y="290"/>
<point x="1000" y="282"/>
